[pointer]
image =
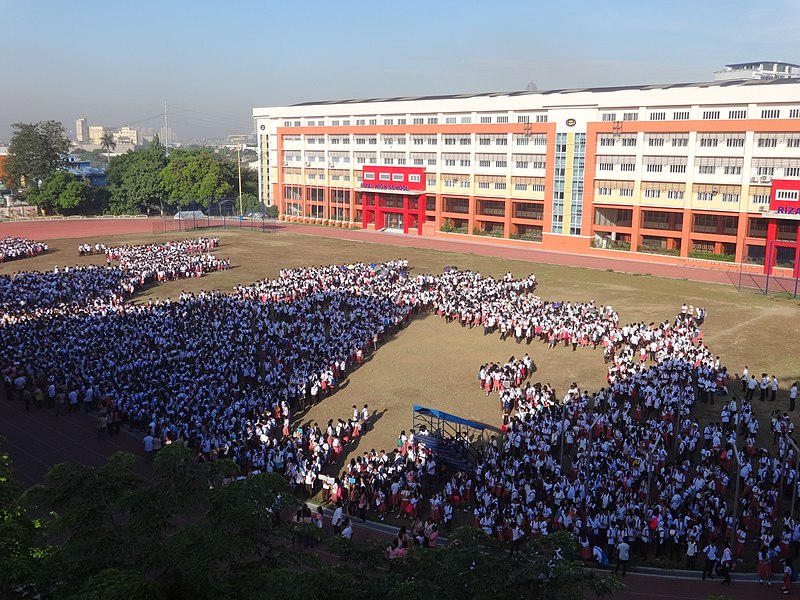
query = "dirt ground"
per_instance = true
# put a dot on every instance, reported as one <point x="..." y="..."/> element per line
<point x="435" y="364"/>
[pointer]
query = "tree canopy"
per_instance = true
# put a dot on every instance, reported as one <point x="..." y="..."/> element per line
<point x="59" y="192"/>
<point x="35" y="152"/>
<point x="195" y="177"/>
<point x="105" y="532"/>
<point x="134" y="179"/>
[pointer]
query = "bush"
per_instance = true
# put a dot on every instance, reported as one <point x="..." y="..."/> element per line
<point x="656" y="250"/>
<point x="712" y="256"/>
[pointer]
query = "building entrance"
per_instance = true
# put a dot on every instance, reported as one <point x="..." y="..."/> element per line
<point x="394" y="221"/>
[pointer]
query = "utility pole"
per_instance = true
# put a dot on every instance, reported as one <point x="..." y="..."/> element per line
<point x="239" y="139"/>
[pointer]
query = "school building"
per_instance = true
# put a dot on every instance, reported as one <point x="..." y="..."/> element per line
<point x="670" y="173"/>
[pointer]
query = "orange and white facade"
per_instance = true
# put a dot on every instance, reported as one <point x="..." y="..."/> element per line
<point x="664" y="172"/>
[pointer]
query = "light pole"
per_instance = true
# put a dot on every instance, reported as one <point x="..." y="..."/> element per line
<point x="239" y="166"/>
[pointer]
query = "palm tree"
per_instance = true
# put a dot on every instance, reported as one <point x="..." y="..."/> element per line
<point x="108" y="144"/>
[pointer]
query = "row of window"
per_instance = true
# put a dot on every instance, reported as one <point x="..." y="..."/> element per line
<point x="656" y="115"/>
<point x="710" y="114"/>
<point x="731" y="197"/>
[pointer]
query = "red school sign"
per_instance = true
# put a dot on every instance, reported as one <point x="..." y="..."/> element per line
<point x="785" y="197"/>
<point x="393" y="179"/>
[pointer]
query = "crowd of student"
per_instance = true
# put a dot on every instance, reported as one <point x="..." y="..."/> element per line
<point x="17" y="247"/>
<point x="226" y="374"/>
<point x="92" y="249"/>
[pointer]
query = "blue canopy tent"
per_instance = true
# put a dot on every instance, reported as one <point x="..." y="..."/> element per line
<point x="449" y="437"/>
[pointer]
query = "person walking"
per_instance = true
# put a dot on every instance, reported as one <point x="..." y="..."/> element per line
<point x="337" y="519"/>
<point x="710" y="552"/>
<point x="691" y="554"/>
<point x="792" y="396"/>
<point x="623" y="556"/>
<point x="764" y="565"/>
<point x="726" y="563"/>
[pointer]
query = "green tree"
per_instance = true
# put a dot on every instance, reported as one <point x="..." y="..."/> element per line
<point x="35" y="152"/>
<point x="195" y="177"/>
<point x="134" y="180"/>
<point x="60" y="191"/>
<point x="108" y="145"/>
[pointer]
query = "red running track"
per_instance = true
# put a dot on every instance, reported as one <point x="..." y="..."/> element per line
<point x="90" y="229"/>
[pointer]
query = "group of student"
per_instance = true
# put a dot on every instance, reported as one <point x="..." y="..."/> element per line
<point x="18" y="247"/>
<point x="227" y="373"/>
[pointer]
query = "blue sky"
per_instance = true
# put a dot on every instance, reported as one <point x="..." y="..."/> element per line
<point x="115" y="62"/>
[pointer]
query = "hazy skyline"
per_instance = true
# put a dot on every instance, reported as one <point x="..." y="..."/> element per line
<point x="115" y="63"/>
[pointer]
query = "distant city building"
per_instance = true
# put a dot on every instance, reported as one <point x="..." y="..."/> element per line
<point x="167" y="136"/>
<point x="81" y="130"/>
<point x="96" y="133"/>
<point x="758" y="70"/>
<point x="126" y="135"/>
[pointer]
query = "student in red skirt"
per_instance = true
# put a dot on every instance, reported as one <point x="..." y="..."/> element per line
<point x="764" y="565"/>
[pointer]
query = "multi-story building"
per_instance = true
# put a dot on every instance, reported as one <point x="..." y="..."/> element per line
<point x="661" y="172"/>
<point x="96" y="133"/>
<point x="81" y="130"/>
<point x="126" y="135"/>
<point x="758" y="70"/>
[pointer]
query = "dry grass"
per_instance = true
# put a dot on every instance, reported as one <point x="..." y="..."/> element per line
<point x="435" y="364"/>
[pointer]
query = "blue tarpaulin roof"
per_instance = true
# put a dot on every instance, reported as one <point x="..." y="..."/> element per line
<point x="432" y="412"/>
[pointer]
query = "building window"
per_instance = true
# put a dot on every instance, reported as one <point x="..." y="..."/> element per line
<point x="658" y="116"/>
<point x="786" y="194"/>
<point x="465" y="141"/>
<point x="605" y="167"/>
<point x="652" y="193"/>
<point x="730" y="197"/>
<point x="677" y="168"/>
<point x="397" y="177"/>
<point x="606" y="141"/>
<point x="771" y="113"/>
<point x="680" y="115"/>
<point x="484" y="141"/>
<point x="706" y="169"/>
<point x="541" y="118"/>
<point x="731" y="170"/>
<point x="431" y="182"/>
<point x="449" y="183"/>
<point x="384" y="177"/>
<point x="388" y="121"/>
<point x="419" y="121"/>
<point x="655" y="142"/>
<point x="521" y="141"/>
<point x="766" y="171"/>
<point x="520" y="187"/>
<point x="373" y="121"/>
<point x="501" y="142"/>
<point x="465" y="183"/>
<point x="419" y="161"/>
<point x="369" y="176"/>
<point x="655" y="168"/>
<point x="538" y="164"/>
<point x="629" y="142"/>
<point x="735" y="142"/>
<point x="523" y="118"/>
<point x="412" y="178"/>
<point x="450" y="120"/>
<point x="705" y="197"/>
<point x="630" y="116"/>
<point x="449" y="141"/>
<point x="401" y="121"/>
<point x="484" y="163"/>
<point x="501" y="163"/>
<point x="466" y="120"/>
<point x="712" y="115"/>
<point x="767" y="143"/>
<point x="709" y="142"/>
<point x="737" y="114"/>
<point x="603" y="191"/>
<point x="793" y="143"/>
<point x="760" y="198"/>
<point x="608" y="117"/>
<point x="465" y="162"/>
<point x="627" y="167"/>
<point x="502" y="119"/>
<point x="499" y="185"/>
<point x="791" y="172"/>
<point x="486" y="119"/>
<point x="483" y="185"/>
<point x="449" y="162"/>
<point x="626" y="192"/>
<point x="537" y="187"/>
<point x="522" y="164"/>
<point x="675" y="194"/>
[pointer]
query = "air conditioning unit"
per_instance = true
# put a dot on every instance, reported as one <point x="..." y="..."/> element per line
<point x="332" y="165"/>
<point x="763" y="209"/>
<point x="765" y="179"/>
<point x="286" y="163"/>
<point x="754" y="180"/>
<point x="308" y="164"/>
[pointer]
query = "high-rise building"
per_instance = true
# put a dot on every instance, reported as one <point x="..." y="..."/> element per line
<point x="668" y="173"/>
<point x="96" y="133"/>
<point x="81" y="130"/>
<point x="126" y="135"/>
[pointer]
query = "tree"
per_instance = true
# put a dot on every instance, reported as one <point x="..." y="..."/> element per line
<point x="60" y="191"/>
<point x="108" y="144"/>
<point x="134" y="180"/>
<point x="195" y="178"/>
<point x="36" y="151"/>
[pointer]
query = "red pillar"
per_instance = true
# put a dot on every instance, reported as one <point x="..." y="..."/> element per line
<point x="364" y="213"/>
<point x="422" y="206"/>
<point x="406" y="215"/>
<point x="769" y="250"/>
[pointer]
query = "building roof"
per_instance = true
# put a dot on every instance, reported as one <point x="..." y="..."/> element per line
<point x="761" y="62"/>
<point x="658" y="86"/>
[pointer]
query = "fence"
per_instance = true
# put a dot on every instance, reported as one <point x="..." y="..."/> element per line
<point x="170" y="224"/>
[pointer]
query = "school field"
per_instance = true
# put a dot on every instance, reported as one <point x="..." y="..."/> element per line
<point x="435" y="364"/>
